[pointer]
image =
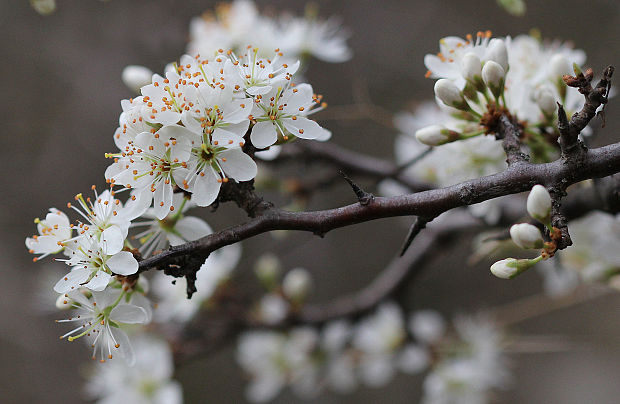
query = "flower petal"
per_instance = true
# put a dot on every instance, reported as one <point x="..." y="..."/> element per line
<point x="72" y="280"/>
<point x="238" y="165"/>
<point x="99" y="281"/>
<point x="124" y="346"/>
<point x="192" y="228"/>
<point x="112" y="240"/>
<point x="304" y="128"/>
<point x="129" y="314"/>
<point x="206" y="187"/>
<point x="263" y="134"/>
<point x="123" y="263"/>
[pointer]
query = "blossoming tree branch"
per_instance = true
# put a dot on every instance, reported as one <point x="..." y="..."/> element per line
<point x="510" y="115"/>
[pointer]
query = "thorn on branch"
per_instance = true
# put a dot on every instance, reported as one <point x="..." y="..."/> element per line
<point x="562" y="120"/>
<point x="569" y="138"/>
<point x="364" y="198"/>
<point x="191" y="284"/>
<point x="418" y="225"/>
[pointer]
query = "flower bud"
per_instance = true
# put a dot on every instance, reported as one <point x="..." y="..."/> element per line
<point x="493" y="76"/>
<point x="267" y="269"/>
<point x="510" y="267"/>
<point x="170" y="68"/>
<point x="546" y="101"/>
<point x="64" y="302"/>
<point x="273" y="309"/>
<point x="526" y="235"/>
<point x="559" y="65"/>
<point x="497" y="52"/>
<point x="514" y="7"/>
<point x="539" y="204"/>
<point x="135" y="77"/>
<point x="471" y="66"/>
<point x="427" y="326"/>
<point x="449" y="94"/>
<point x="505" y="269"/>
<point x="43" y="7"/>
<point x="296" y="284"/>
<point x="435" y="135"/>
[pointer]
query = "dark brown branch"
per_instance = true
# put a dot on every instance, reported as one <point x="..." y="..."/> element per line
<point x="596" y="163"/>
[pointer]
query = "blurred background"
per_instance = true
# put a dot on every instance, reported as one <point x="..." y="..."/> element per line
<point x="61" y="93"/>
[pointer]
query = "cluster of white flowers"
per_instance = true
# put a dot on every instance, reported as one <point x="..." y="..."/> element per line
<point x="472" y="364"/>
<point x="284" y="293"/>
<point x="94" y="246"/>
<point x="187" y="133"/>
<point x="238" y="24"/>
<point x="520" y="76"/>
<point x="188" y="130"/>
<point x="341" y="356"/>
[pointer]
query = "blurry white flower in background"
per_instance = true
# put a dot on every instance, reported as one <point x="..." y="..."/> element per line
<point x="239" y="24"/>
<point x="147" y="382"/>
<point x="469" y="367"/>
<point x="172" y="302"/>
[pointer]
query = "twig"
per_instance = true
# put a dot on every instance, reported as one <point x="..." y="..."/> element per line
<point x="363" y="197"/>
<point x="599" y="162"/>
<point x="511" y="142"/>
<point x="595" y="97"/>
<point x="418" y="225"/>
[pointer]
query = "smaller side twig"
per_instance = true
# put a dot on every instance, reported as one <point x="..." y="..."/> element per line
<point x="364" y="198"/>
<point x="509" y="131"/>
<point x="418" y="225"/>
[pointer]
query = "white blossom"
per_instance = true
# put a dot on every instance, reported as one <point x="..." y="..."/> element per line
<point x="99" y="318"/>
<point x="427" y="326"/>
<point x="273" y="309"/>
<point x="148" y="381"/>
<point x="296" y="284"/>
<point x="54" y="230"/>
<point x="283" y="112"/>
<point x="174" y="229"/>
<point x="475" y="367"/>
<point x="92" y="267"/>
<point x="173" y="306"/>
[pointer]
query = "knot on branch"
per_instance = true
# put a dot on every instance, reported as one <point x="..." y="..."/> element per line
<point x="242" y="193"/>
<point x="364" y="198"/>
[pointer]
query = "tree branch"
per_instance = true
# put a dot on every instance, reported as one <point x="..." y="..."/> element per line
<point x="596" y="163"/>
